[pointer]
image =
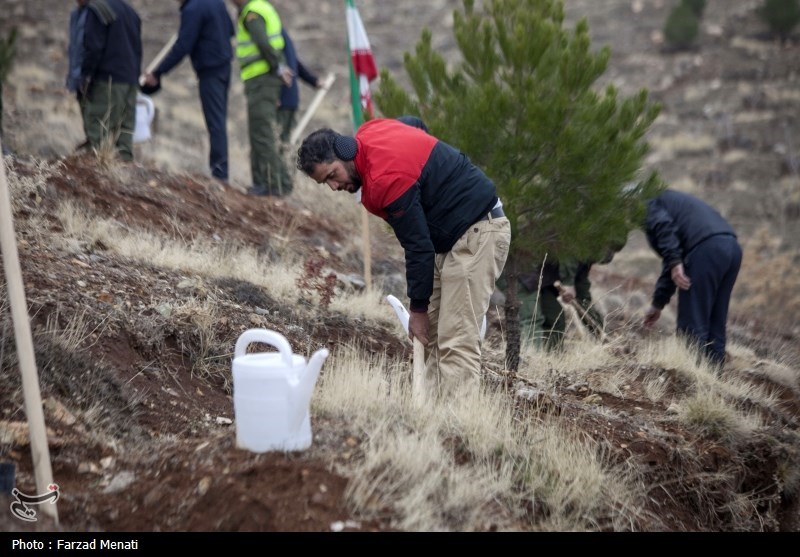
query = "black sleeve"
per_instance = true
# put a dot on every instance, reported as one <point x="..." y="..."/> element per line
<point x="306" y="75"/>
<point x="94" y="43"/>
<point x="407" y="219"/>
<point x="663" y="237"/>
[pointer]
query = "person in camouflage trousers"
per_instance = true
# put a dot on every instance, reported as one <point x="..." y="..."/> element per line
<point x="110" y="70"/>
<point x="541" y="315"/>
<point x="263" y="70"/>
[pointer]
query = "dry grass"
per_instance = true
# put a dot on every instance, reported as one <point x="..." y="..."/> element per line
<point x="768" y="283"/>
<point x="579" y="357"/>
<point x="65" y="371"/>
<point x="710" y="403"/>
<point x="200" y="257"/>
<point x="713" y="416"/>
<point x="671" y="353"/>
<point x="368" y="304"/>
<point x="655" y="387"/>
<point x="27" y="189"/>
<point x="461" y="464"/>
<point x="209" y="355"/>
<point x="77" y="334"/>
<point x="469" y="463"/>
<point x="205" y="258"/>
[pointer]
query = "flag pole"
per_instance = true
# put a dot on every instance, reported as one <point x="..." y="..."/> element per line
<point x="366" y="242"/>
<point x="358" y="119"/>
<point x="367" y="248"/>
<point x="40" y="452"/>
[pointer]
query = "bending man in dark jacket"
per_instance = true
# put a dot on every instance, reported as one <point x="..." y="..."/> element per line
<point x="205" y="35"/>
<point x="112" y="60"/>
<point x="446" y="214"/>
<point x="701" y="256"/>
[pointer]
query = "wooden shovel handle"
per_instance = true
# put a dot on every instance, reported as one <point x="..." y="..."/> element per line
<point x="417" y="381"/>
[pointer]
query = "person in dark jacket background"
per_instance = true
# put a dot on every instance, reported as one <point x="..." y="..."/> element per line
<point x="75" y="54"/>
<point x="112" y="61"/>
<point x="290" y="99"/>
<point x="446" y="214"/>
<point x="205" y="35"/>
<point x="701" y="256"/>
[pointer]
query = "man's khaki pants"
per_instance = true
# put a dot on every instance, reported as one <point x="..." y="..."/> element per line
<point x="463" y="282"/>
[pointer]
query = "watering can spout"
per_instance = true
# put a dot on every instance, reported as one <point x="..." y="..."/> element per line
<point x="301" y="394"/>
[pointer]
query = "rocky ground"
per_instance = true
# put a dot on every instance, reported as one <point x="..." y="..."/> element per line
<point x="159" y="454"/>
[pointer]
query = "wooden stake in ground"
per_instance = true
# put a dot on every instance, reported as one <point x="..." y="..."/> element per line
<point x="418" y="371"/>
<point x="40" y="452"/>
<point x="418" y="380"/>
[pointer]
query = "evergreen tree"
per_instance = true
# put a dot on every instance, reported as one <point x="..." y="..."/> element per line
<point x="697" y="6"/>
<point x="565" y="157"/>
<point x="7" y="53"/>
<point x="681" y="27"/>
<point x="781" y="15"/>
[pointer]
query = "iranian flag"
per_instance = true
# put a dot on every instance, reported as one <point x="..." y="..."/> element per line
<point x="362" y="66"/>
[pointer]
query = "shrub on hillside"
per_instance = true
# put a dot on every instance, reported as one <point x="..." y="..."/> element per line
<point x="682" y="26"/>
<point x="781" y="15"/>
<point x="7" y="54"/>
<point x="697" y="6"/>
<point x="523" y="105"/>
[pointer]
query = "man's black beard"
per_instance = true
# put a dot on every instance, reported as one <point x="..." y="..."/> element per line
<point x="356" y="181"/>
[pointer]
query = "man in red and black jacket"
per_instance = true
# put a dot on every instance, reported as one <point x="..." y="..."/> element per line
<point x="446" y="214"/>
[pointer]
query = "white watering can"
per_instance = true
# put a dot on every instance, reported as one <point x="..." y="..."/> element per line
<point x="145" y="112"/>
<point x="272" y="394"/>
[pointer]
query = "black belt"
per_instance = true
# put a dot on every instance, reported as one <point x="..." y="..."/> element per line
<point x="495" y="213"/>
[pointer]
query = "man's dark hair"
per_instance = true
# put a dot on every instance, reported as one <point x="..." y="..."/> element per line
<point x="316" y="148"/>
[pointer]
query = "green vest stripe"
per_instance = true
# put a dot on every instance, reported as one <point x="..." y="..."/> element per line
<point x="251" y="63"/>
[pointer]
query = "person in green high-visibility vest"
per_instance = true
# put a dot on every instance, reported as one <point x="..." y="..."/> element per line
<point x="263" y="69"/>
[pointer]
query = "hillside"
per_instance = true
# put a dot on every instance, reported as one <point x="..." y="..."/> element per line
<point x="140" y="277"/>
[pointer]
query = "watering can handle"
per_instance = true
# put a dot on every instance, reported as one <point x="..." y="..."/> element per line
<point x="267" y="337"/>
<point x="148" y="103"/>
